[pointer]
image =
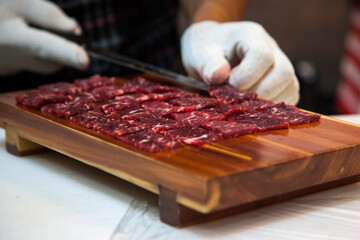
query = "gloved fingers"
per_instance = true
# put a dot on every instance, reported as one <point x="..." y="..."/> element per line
<point x="211" y="64"/>
<point x="40" y="66"/>
<point x="277" y="78"/>
<point x="257" y="59"/>
<point x="46" y="46"/>
<point x="48" y="15"/>
<point x="290" y="94"/>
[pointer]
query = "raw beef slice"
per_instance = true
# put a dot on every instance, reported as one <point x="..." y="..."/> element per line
<point x="257" y="104"/>
<point x="154" y="123"/>
<point x="164" y="108"/>
<point x="66" y="110"/>
<point x="88" y="119"/>
<point x="197" y="102"/>
<point x="192" y="135"/>
<point x="229" y="129"/>
<point x="196" y="118"/>
<point x="263" y="121"/>
<point x="87" y="84"/>
<point x="61" y="87"/>
<point x="111" y="106"/>
<point x="114" y="127"/>
<point x="149" y="141"/>
<point x="107" y="91"/>
<point x="83" y="97"/>
<point x="38" y="98"/>
<point x="293" y="115"/>
<point x="229" y="94"/>
<point x="141" y="85"/>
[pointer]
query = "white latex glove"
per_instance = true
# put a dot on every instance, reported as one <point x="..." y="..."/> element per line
<point x="26" y="48"/>
<point x="212" y="51"/>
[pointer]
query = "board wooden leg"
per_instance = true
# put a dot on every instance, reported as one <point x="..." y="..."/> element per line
<point x="19" y="146"/>
<point x="178" y="215"/>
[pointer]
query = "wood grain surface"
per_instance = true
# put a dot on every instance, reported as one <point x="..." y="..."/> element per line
<point x="208" y="179"/>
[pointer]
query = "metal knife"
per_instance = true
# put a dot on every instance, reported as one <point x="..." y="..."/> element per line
<point x="131" y="63"/>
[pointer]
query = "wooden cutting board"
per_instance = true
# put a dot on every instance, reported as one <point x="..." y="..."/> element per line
<point x="201" y="183"/>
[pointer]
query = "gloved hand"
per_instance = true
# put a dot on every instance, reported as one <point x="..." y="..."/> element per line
<point x="26" y="48"/>
<point x="212" y="51"/>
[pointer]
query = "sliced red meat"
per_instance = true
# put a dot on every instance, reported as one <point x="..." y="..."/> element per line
<point x="114" y="127"/>
<point x="139" y="97"/>
<point x="192" y="135"/>
<point x="149" y="141"/>
<point x="197" y="102"/>
<point x="61" y="87"/>
<point x="257" y="104"/>
<point x="83" y="97"/>
<point x="164" y="108"/>
<point x="66" y="110"/>
<point x="141" y="85"/>
<point x="264" y="121"/>
<point x="293" y="115"/>
<point x="230" y="94"/>
<point x="229" y="129"/>
<point x="130" y="113"/>
<point x="170" y="95"/>
<point x="87" y="84"/>
<point x="156" y="124"/>
<point x="111" y="106"/>
<point x="226" y="109"/>
<point x="196" y="118"/>
<point x="38" y="98"/>
<point x="108" y="91"/>
<point x="88" y="119"/>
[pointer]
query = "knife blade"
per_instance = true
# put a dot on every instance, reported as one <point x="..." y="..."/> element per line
<point x="128" y="62"/>
<point x="134" y="64"/>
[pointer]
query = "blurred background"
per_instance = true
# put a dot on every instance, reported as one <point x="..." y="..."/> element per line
<point x="312" y="34"/>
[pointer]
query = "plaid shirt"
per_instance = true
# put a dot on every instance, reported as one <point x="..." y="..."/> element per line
<point x="141" y="29"/>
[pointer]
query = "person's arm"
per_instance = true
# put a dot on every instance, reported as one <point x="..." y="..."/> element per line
<point x="216" y="10"/>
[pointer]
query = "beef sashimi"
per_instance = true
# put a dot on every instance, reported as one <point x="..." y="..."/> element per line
<point x="229" y="129"/>
<point x="107" y="91"/>
<point x="192" y="135"/>
<point x="141" y="85"/>
<point x="38" y="98"/>
<point x="61" y="87"/>
<point x="88" y="119"/>
<point x="196" y="118"/>
<point x="164" y="108"/>
<point x="114" y="127"/>
<point x="257" y="104"/>
<point x="87" y="84"/>
<point x="83" y="97"/>
<point x="196" y="102"/>
<point x="149" y="141"/>
<point x="263" y="121"/>
<point x="223" y="108"/>
<point x="229" y="94"/>
<point x="293" y="115"/>
<point x="139" y="97"/>
<point x="112" y="105"/>
<point x="154" y="123"/>
<point x="170" y="95"/>
<point x="154" y="117"/>
<point x="130" y="113"/>
<point x="66" y="110"/>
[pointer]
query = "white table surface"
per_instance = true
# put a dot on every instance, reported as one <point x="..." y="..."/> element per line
<point x="51" y="196"/>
